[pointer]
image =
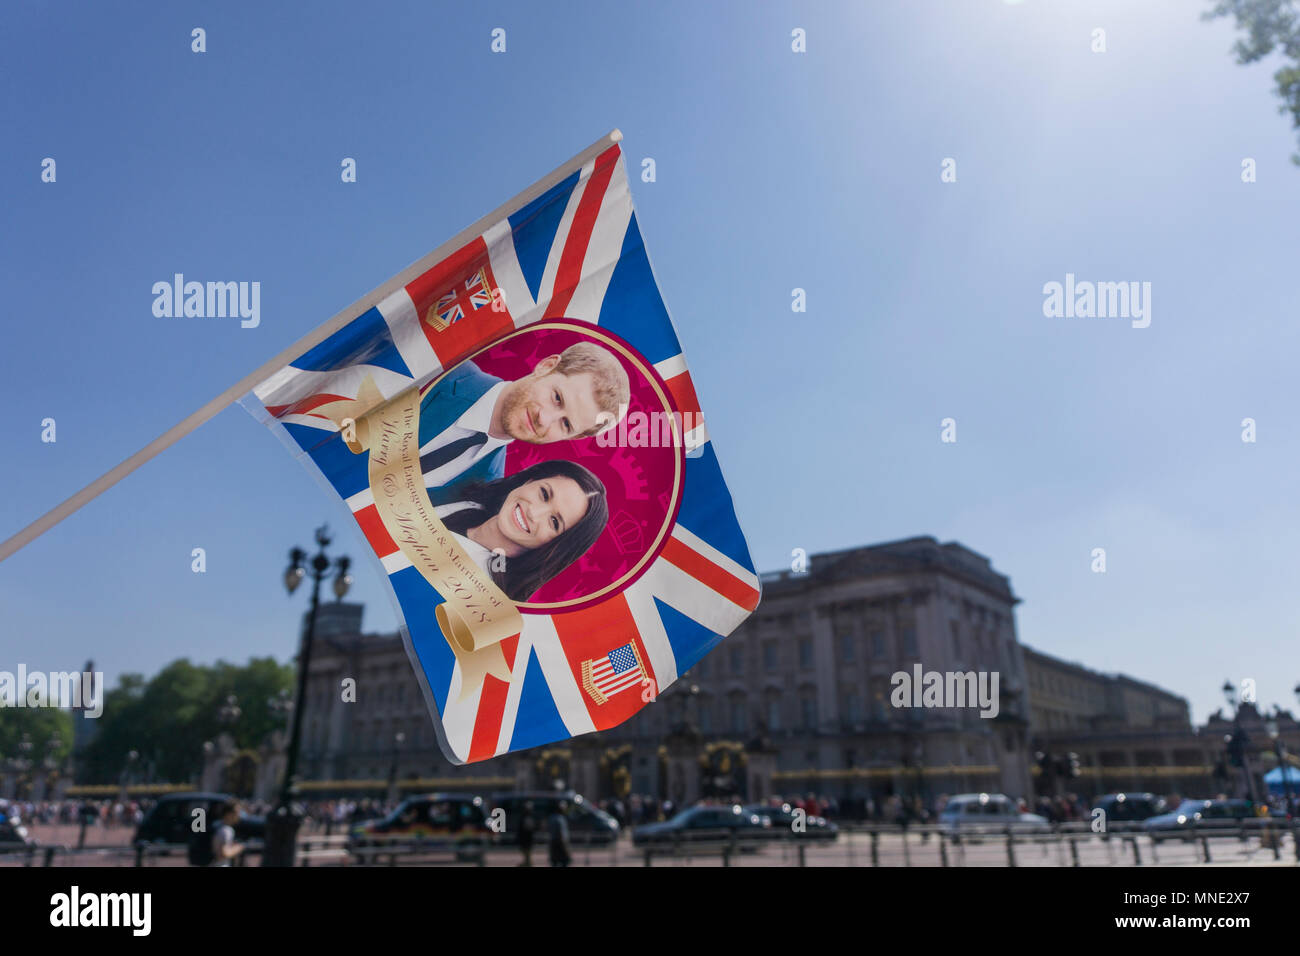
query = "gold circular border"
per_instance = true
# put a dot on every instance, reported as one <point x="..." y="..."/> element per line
<point x="648" y="374"/>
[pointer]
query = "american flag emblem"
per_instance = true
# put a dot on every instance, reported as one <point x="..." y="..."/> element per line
<point x="574" y="252"/>
<point x="612" y="674"/>
<point x="475" y="294"/>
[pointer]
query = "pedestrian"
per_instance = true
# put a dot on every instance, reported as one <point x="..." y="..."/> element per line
<point x="559" y="831"/>
<point x="224" y="848"/>
<point x="527" y="831"/>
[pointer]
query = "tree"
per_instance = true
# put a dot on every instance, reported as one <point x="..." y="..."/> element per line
<point x="167" y="718"/>
<point x="1269" y="25"/>
<point x="39" y="725"/>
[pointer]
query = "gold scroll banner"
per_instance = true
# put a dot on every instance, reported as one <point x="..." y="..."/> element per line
<point x="475" y="615"/>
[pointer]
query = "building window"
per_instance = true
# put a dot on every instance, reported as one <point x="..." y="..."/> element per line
<point x="706" y="716"/>
<point x="909" y="641"/>
<point x="738" y="715"/>
<point x="769" y="656"/>
<point x="737" y="660"/>
<point x="852" y="707"/>
<point x="878" y="644"/>
<point x="774" y="713"/>
<point x="847" y="649"/>
<point x="879" y="698"/>
<point x="805" y="652"/>
<point x="808" y="710"/>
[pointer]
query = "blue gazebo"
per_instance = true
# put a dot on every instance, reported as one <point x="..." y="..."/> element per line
<point x="1276" y="787"/>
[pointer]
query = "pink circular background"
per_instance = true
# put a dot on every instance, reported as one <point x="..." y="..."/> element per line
<point x="638" y="481"/>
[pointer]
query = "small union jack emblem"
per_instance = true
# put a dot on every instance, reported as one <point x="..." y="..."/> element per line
<point x="475" y="294"/>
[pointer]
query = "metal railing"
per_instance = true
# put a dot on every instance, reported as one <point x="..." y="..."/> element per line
<point x="876" y="845"/>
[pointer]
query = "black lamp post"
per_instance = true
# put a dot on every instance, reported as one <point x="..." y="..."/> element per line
<point x="131" y="757"/>
<point x="1280" y="752"/>
<point x="398" y="739"/>
<point x="22" y="764"/>
<point x="283" y="821"/>
<point x="1239" y="741"/>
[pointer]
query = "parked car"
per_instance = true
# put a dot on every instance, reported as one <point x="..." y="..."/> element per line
<point x="14" y="835"/>
<point x="171" y="820"/>
<point x="984" y="813"/>
<point x="704" y="823"/>
<point x="781" y="819"/>
<point x="587" y="824"/>
<point x="456" y="821"/>
<point x="1129" y="809"/>
<point x="1197" y="818"/>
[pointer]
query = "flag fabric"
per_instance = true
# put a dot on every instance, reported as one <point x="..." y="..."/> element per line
<point x="517" y="435"/>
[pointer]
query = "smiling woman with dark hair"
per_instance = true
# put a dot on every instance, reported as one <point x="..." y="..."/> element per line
<point x="526" y="528"/>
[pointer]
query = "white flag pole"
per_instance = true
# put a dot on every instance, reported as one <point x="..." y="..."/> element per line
<point x="307" y="342"/>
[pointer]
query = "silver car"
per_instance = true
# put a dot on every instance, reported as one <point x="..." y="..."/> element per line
<point x="988" y="813"/>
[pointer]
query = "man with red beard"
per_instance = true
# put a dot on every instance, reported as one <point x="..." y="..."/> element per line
<point x="468" y="417"/>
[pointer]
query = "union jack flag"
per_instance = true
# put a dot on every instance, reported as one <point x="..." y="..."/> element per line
<point x="575" y="251"/>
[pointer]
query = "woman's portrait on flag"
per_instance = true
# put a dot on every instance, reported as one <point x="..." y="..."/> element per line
<point x="526" y="528"/>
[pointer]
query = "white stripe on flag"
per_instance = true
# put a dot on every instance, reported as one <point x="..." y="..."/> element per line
<point x="458" y="715"/>
<point x="692" y="597"/>
<point x="506" y="270"/>
<point x="311" y="421"/>
<point x="510" y="712"/>
<point x="611" y="684"/>
<point x="547" y="289"/>
<point x="696" y="438"/>
<point x="290" y="384"/>
<point x="404" y="324"/>
<point x="603" y="250"/>
<point x="662" y="662"/>
<point x="671" y="367"/>
<point x="394" y="562"/>
<point x="559" y="676"/>
<point x="698" y="544"/>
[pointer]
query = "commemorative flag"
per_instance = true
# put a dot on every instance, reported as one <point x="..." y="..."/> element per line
<point x="514" y="429"/>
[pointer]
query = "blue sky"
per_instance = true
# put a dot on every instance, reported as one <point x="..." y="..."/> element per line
<point x="775" y="171"/>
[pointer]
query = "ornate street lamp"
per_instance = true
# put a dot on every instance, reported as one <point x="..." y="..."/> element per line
<point x="280" y="706"/>
<point x="398" y="739"/>
<point x="283" y="821"/>
<point x="1274" y="734"/>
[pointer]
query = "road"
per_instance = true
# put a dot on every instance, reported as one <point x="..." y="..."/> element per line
<point x="851" y="849"/>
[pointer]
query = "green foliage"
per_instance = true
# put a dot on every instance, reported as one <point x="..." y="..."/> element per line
<point x="167" y="719"/>
<point x="1269" y="26"/>
<point x="39" y="725"/>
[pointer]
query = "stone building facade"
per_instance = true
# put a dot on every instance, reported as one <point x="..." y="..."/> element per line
<point x="1131" y="735"/>
<point x="798" y="699"/>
